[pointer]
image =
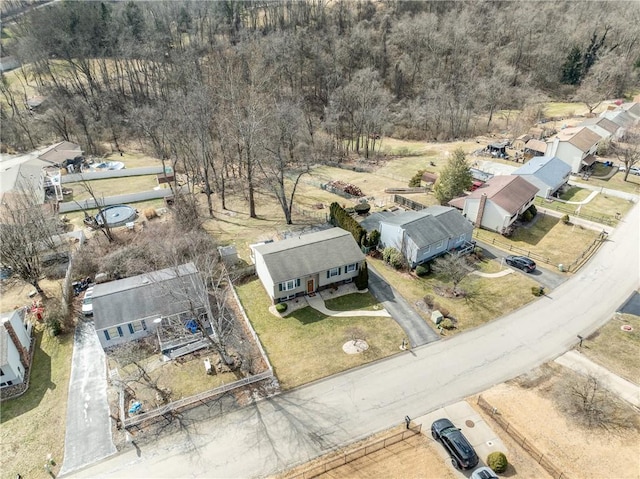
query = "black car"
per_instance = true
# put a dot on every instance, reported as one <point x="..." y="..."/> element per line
<point x="463" y="456"/>
<point x="521" y="262"/>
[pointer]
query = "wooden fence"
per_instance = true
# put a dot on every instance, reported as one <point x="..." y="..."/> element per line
<point x="533" y="451"/>
<point x="414" y="205"/>
<point x="511" y="248"/>
<point x="333" y="461"/>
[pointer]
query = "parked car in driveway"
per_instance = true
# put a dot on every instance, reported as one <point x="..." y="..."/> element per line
<point x="87" y="302"/>
<point x="463" y="456"/>
<point x="521" y="262"/>
<point x="484" y="472"/>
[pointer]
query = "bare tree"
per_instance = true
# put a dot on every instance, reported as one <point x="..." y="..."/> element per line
<point x="27" y="230"/>
<point x="100" y="220"/>
<point x="452" y="267"/>
<point x="628" y="150"/>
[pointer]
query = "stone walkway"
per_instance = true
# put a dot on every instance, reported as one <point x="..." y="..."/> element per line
<point x="499" y="274"/>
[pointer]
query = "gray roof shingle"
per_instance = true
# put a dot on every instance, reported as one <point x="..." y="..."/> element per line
<point x="431" y="225"/>
<point x="308" y="254"/>
<point x="161" y="293"/>
<point x="549" y="170"/>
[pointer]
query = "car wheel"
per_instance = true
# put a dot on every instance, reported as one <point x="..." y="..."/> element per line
<point x="455" y="463"/>
<point x="434" y="435"/>
<point x="509" y="262"/>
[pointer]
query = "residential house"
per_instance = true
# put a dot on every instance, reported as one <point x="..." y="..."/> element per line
<point x="632" y="109"/>
<point x="135" y="307"/>
<point x="534" y="147"/>
<point x="602" y="126"/>
<point x="497" y="205"/>
<point x="620" y="117"/>
<point x="575" y="146"/>
<point x="546" y="173"/>
<point x="422" y="235"/>
<point x="15" y="344"/>
<point x="307" y="263"/>
<point x="518" y="143"/>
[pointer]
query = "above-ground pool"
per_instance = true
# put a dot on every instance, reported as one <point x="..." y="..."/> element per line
<point x="107" y="165"/>
<point x="117" y="215"/>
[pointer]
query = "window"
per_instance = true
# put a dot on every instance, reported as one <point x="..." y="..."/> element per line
<point x="350" y="268"/>
<point x="333" y="272"/>
<point x="137" y="326"/>
<point x="289" y="285"/>
<point x="113" y="333"/>
<point x="1" y="372"/>
<point x="439" y="244"/>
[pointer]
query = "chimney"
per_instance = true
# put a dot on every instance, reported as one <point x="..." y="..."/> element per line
<point x="24" y="353"/>
<point x="483" y="202"/>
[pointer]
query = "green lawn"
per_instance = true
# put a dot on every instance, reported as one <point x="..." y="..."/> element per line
<point x="602" y="208"/>
<point x="113" y="187"/>
<point x="33" y="425"/>
<point x="615" y="349"/>
<point x="564" y="110"/>
<point x="306" y="345"/>
<point x="548" y="237"/>
<point x="488" y="298"/>
<point x="352" y="302"/>
<point x="575" y="194"/>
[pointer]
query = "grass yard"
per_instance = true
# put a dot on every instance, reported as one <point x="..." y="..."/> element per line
<point x="564" y="110"/>
<point x="76" y="218"/>
<point x="33" y="425"/>
<point x="616" y="182"/>
<point x="602" y="208"/>
<point x="615" y="349"/>
<point x="575" y="193"/>
<point x="113" y="187"/>
<point x="306" y="345"/>
<point x="133" y="159"/>
<point x="351" y="302"/>
<point x="488" y="298"/>
<point x="548" y="237"/>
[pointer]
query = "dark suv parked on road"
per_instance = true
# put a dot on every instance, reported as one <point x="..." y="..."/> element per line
<point x="521" y="262"/>
<point x="463" y="456"/>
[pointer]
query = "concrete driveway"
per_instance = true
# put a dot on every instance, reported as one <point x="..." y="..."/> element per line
<point x="88" y="433"/>
<point x="415" y="327"/>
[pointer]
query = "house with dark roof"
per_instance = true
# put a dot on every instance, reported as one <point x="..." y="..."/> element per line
<point x="575" y="146"/>
<point x="422" y="235"/>
<point x="15" y="344"/>
<point x="132" y="308"/>
<point x="546" y="173"/>
<point x="498" y="203"/>
<point x="307" y="263"/>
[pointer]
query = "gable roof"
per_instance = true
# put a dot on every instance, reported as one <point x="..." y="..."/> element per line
<point x="536" y="145"/>
<point x="507" y="191"/>
<point x="65" y="150"/>
<point x="160" y="293"/>
<point x="307" y="254"/>
<point x="580" y="136"/>
<point x="431" y="225"/>
<point x="632" y="108"/>
<point x="602" y="122"/>
<point x="548" y="169"/>
<point x="619" y="117"/>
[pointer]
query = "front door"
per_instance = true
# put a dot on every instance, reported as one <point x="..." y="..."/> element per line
<point x="310" y="287"/>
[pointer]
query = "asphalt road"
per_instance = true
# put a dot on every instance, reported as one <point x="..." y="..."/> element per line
<point x="415" y="327"/>
<point x="276" y="433"/>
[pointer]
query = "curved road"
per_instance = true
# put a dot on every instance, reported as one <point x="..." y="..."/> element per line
<point x="293" y="427"/>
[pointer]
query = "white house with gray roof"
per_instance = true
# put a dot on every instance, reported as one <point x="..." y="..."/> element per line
<point x="423" y="235"/>
<point x="307" y="263"/>
<point x="15" y="344"/>
<point x="547" y="173"/>
<point x="132" y="308"/>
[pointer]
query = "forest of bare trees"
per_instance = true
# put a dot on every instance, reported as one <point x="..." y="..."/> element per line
<point x="253" y="92"/>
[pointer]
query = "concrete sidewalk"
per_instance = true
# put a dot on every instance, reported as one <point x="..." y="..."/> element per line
<point x="621" y="387"/>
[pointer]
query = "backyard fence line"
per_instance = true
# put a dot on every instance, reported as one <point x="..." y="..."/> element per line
<point x="588" y="252"/>
<point x="322" y="216"/>
<point x="100" y="175"/>
<point x="414" y="205"/>
<point x="334" y="462"/>
<point x="168" y="410"/>
<point x="512" y="248"/>
<point x="533" y="451"/>
<point x="557" y="206"/>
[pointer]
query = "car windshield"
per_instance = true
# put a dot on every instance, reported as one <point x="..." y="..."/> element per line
<point x="86" y="300"/>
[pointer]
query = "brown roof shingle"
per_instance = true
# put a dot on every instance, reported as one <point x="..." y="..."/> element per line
<point x="509" y="192"/>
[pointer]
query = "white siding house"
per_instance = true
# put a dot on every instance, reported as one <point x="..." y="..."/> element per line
<point x="575" y="146"/>
<point x="498" y="203"/>
<point x="15" y="344"/>
<point x="548" y="174"/>
<point x="307" y="263"/>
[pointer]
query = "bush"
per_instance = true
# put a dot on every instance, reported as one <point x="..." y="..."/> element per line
<point x="533" y="210"/>
<point x="393" y="257"/>
<point x="362" y="280"/>
<point x="416" y="180"/>
<point x="422" y="269"/>
<point x="526" y="216"/>
<point x="497" y="461"/>
<point x="565" y="219"/>
<point x="362" y="208"/>
<point x="281" y="307"/>
<point x="374" y="238"/>
<point x="438" y="307"/>
<point x="537" y="290"/>
<point x="150" y="213"/>
<point x="428" y="300"/>
<point x="446" y="323"/>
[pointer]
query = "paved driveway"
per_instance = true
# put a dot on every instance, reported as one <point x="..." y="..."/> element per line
<point x="417" y="330"/>
<point x="88" y="433"/>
